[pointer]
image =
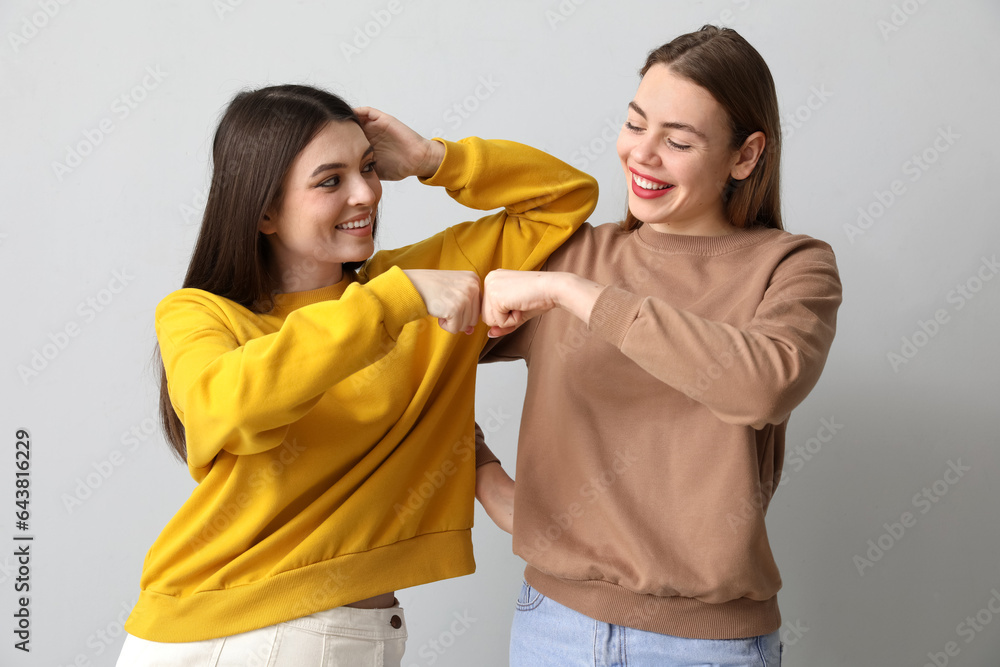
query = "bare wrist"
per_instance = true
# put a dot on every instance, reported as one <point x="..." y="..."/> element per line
<point x="576" y="294"/>
<point x="433" y="157"/>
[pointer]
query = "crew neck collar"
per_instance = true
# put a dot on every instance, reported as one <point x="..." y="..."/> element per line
<point x="288" y="301"/>
<point x="686" y="244"/>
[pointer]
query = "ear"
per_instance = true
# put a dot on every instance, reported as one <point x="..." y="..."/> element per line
<point x="748" y="155"/>
<point x="266" y="224"/>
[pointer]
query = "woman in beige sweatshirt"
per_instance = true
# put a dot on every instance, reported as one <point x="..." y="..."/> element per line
<point x="664" y="355"/>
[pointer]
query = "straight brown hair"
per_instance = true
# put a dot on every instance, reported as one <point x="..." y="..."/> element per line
<point x="260" y="134"/>
<point x="734" y="73"/>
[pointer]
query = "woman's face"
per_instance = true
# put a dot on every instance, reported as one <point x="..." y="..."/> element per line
<point x="329" y="198"/>
<point x="675" y="150"/>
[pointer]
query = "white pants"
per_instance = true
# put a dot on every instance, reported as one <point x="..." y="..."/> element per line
<point x="344" y="636"/>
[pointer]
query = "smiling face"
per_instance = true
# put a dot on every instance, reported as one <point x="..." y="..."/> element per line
<point x="328" y="202"/>
<point x="675" y="149"/>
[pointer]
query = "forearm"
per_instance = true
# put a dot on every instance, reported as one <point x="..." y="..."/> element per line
<point x="241" y="395"/>
<point x="544" y="201"/>
<point x="753" y="374"/>
<point x="574" y="294"/>
<point x="495" y="492"/>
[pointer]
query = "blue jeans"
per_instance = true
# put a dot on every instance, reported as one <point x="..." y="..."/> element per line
<point x="545" y="633"/>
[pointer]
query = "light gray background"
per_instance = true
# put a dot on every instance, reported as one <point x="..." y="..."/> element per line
<point x="863" y="86"/>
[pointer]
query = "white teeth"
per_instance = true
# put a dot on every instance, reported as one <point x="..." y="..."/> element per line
<point x="356" y="225"/>
<point x="647" y="185"/>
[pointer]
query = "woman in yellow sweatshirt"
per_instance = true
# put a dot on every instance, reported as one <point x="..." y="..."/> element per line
<point x="327" y="419"/>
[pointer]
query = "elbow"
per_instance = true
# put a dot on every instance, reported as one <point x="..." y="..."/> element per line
<point x="776" y="392"/>
<point x="774" y="410"/>
<point x="765" y="404"/>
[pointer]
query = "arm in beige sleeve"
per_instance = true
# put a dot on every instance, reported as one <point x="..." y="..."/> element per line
<point x="754" y="374"/>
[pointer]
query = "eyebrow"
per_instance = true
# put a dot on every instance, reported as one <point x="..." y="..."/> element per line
<point x="673" y="125"/>
<point x="338" y="165"/>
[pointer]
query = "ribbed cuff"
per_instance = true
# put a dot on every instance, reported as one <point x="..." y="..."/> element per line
<point x="614" y="312"/>
<point x="401" y="303"/>
<point x="484" y="454"/>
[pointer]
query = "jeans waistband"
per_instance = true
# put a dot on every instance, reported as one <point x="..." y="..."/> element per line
<point x="388" y="623"/>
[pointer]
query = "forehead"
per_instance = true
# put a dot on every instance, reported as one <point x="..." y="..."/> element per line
<point x="337" y="141"/>
<point x="667" y="97"/>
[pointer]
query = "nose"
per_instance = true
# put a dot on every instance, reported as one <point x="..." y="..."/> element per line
<point x="644" y="150"/>
<point x="364" y="193"/>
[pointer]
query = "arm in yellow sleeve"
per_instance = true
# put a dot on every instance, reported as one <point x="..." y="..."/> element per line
<point x="544" y="201"/>
<point x="242" y="397"/>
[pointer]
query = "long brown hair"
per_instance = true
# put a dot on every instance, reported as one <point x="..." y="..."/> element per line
<point x="723" y="63"/>
<point x="259" y="135"/>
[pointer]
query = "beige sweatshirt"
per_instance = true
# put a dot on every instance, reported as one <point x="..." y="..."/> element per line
<point x="652" y="438"/>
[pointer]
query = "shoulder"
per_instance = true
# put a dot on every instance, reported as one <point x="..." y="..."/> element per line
<point x="785" y="239"/>
<point x="785" y="246"/>
<point x="587" y="244"/>
<point x="189" y="310"/>
<point x="800" y="263"/>
<point x="191" y="297"/>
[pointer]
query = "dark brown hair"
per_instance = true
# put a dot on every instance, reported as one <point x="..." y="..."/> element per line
<point x="260" y="134"/>
<point x="723" y="63"/>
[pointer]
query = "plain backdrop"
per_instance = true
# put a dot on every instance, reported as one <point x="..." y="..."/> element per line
<point x="889" y="114"/>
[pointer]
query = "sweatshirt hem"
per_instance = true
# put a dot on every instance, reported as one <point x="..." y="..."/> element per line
<point x="677" y="616"/>
<point x="300" y="592"/>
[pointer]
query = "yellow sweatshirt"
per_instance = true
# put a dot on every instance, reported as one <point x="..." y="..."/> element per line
<point x="332" y="438"/>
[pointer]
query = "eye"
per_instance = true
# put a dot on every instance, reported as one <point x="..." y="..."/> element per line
<point x="632" y="128"/>
<point x="680" y="147"/>
<point x="331" y="182"/>
<point x="370" y="167"/>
